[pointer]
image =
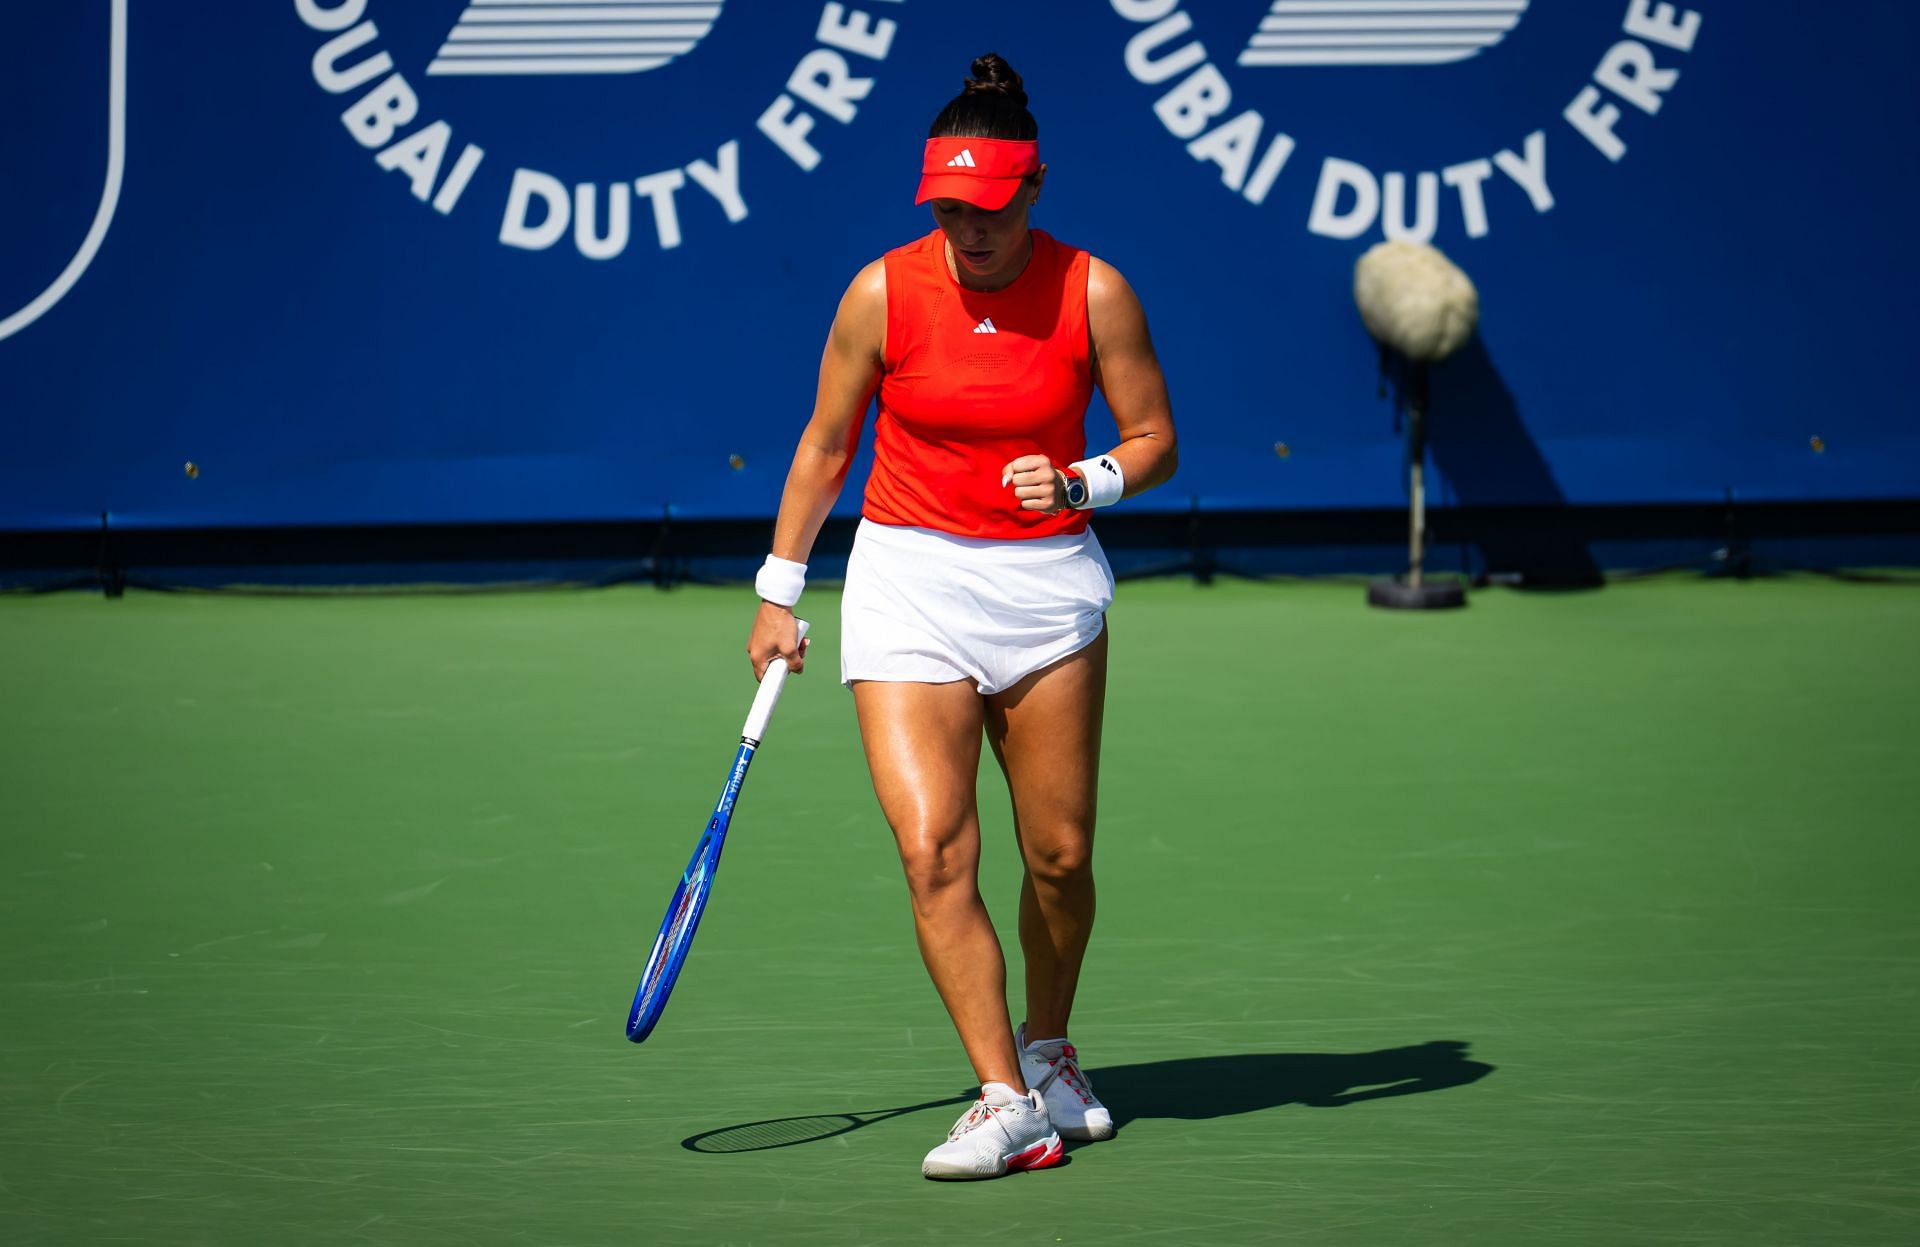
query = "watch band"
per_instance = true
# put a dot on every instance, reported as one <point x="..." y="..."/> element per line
<point x="1103" y="480"/>
<point x="1076" y="489"/>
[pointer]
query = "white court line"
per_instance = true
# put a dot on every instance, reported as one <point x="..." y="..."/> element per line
<point x="109" y="195"/>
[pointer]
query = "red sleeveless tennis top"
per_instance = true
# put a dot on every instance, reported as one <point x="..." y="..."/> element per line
<point x="973" y="380"/>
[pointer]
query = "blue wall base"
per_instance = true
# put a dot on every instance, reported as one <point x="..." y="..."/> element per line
<point x="1529" y="547"/>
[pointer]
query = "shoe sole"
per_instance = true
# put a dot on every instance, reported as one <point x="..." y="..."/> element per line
<point x="1045" y="1154"/>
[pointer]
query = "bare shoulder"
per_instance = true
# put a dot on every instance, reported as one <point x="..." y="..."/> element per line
<point x="870" y="282"/>
<point x="1114" y="313"/>
<point x="867" y="293"/>
<point x="860" y="325"/>
<point x="1105" y="284"/>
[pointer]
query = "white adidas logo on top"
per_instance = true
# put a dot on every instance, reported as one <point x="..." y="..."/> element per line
<point x="963" y="161"/>
<point x="985" y="326"/>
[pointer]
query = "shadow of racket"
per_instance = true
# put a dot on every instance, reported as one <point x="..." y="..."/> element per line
<point x="760" y="1136"/>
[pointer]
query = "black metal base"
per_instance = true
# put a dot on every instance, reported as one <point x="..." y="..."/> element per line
<point x="1444" y="593"/>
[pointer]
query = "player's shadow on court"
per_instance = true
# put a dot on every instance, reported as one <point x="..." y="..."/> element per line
<point x="1197" y="1088"/>
<point x="1191" y="1088"/>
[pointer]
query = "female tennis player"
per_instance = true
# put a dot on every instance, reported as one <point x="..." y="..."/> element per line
<point x="976" y="594"/>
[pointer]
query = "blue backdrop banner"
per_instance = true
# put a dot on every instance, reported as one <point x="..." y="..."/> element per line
<point x="398" y="261"/>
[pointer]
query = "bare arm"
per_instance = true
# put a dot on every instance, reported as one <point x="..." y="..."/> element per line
<point x="1128" y="374"/>
<point x="849" y="374"/>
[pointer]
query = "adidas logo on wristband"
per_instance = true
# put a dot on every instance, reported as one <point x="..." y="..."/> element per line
<point x="1104" y="479"/>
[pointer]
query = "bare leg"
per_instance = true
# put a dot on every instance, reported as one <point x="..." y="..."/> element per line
<point x="923" y="748"/>
<point x="1045" y="731"/>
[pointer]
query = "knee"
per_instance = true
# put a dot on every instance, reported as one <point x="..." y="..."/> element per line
<point x="1062" y="858"/>
<point x="934" y="863"/>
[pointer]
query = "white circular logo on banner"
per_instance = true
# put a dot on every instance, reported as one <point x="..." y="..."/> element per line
<point x="1197" y="105"/>
<point x="1379" y="32"/>
<point x="521" y="39"/>
<point x="534" y="37"/>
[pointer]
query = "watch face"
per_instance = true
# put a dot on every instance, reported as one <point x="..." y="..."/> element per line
<point x="1076" y="492"/>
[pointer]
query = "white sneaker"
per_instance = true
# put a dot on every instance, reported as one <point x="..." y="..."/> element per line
<point x="1000" y="1132"/>
<point x="1052" y="1068"/>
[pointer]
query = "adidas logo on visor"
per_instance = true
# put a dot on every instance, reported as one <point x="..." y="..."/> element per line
<point x="963" y="161"/>
<point x="985" y="326"/>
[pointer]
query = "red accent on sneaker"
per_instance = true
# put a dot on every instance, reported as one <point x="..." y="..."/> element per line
<point x="1045" y="1154"/>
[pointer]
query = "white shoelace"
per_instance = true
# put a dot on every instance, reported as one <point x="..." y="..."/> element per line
<point x="1066" y="1068"/>
<point x="979" y="1113"/>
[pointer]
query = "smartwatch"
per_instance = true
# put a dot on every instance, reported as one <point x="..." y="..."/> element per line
<point x="1076" y="489"/>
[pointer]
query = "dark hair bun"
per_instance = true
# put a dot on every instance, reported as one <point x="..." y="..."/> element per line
<point x="993" y="76"/>
<point x="991" y="105"/>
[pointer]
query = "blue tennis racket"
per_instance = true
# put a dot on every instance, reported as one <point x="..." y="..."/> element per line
<point x="690" y="898"/>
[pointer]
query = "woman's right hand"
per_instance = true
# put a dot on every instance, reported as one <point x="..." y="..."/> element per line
<point x="776" y="634"/>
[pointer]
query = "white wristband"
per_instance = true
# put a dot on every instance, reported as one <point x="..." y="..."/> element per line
<point x="780" y="581"/>
<point x="1105" y="481"/>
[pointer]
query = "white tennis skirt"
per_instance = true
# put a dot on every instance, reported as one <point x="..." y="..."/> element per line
<point x="930" y="607"/>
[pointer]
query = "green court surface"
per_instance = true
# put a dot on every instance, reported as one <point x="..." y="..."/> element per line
<point x="1587" y="918"/>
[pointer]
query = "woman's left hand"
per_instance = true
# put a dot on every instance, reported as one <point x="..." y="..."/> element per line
<point x="1036" y="483"/>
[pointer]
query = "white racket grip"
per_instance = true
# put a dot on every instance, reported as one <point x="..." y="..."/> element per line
<point x="768" y="696"/>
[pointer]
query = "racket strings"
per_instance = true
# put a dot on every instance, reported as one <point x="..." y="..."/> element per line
<point x="656" y="971"/>
<point x="785" y="1132"/>
<point x="756" y="1136"/>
